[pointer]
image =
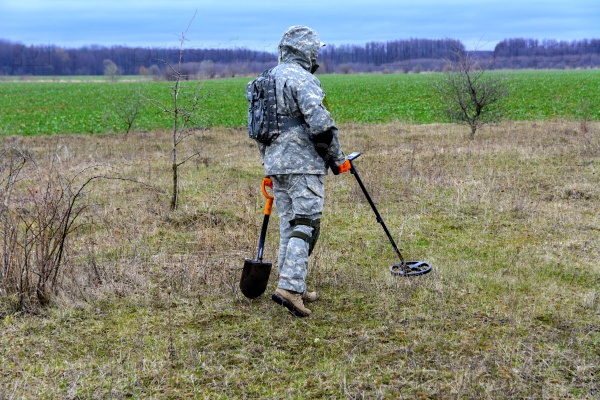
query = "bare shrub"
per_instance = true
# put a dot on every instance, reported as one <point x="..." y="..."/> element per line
<point x="41" y="208"/>
<point x="345" y="69"/>
<point x="127" y="110"/>
<point x="470" y="95"/>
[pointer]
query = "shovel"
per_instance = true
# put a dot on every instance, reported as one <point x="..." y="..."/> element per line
<point x="255" y="274"/>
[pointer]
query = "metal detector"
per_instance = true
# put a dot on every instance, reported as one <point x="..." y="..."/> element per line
<point x="403" y="268"/>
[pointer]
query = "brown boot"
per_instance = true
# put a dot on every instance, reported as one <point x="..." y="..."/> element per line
<point x="310" y="297"/>
<point x="292" y="301"/>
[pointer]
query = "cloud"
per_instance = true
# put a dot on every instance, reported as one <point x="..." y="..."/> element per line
<point x="259" y="24"/>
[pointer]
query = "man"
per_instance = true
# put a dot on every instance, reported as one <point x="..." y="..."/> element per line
<point x="296" y="162"/>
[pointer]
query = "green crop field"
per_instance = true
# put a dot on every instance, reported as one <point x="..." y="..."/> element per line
<point x="31" y="108"/>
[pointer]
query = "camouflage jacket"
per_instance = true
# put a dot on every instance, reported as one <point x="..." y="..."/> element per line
<point x="299" y="93"/>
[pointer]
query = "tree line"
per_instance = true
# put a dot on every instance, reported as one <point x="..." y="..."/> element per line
<point x="408" y="55"/>
<point x="19" y="59"/>
<point x="548" y="53"/>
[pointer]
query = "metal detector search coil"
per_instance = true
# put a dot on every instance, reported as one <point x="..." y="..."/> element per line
<point x="403" y="268"/>
<point x="410" y="268"/>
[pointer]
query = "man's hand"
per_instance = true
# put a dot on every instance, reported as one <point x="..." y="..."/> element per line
<point x="322" y="142"/>
<point x="340" y="169"/>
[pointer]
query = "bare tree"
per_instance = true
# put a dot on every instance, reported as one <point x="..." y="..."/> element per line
<point x="111" y="70"/>
<point x="184" y="109"/>
<point x="470" y="94"/>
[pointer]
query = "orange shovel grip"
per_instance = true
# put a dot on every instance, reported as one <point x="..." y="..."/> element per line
<point x="269" y="206"/>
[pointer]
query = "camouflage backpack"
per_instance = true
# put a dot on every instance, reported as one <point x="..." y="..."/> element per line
<point x="264" y="124"/>
<point x="262" y="108"/>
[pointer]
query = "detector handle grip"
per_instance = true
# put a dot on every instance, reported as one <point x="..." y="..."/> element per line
<point x="354" y="155"/>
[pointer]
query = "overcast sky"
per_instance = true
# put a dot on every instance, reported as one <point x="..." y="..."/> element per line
<point x="258" y="24"/>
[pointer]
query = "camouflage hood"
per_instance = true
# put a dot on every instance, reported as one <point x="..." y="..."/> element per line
<point x="300" y="44"/>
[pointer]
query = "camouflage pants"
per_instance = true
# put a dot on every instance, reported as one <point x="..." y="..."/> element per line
<point x="296" y="196"/>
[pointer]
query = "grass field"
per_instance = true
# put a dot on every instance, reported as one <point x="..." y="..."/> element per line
<point x="147" y="303"/>
<point x="32" y="108"/>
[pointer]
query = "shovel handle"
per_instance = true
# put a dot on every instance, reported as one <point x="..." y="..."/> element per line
<point x="269" y="205"/>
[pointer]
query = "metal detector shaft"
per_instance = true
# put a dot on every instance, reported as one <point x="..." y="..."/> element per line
<point x="354" y="172"/>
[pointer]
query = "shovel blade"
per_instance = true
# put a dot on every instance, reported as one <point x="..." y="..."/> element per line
<point x="255" y="277"/>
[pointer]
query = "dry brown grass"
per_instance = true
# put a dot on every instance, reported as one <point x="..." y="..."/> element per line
<point x="148" y="304"/>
